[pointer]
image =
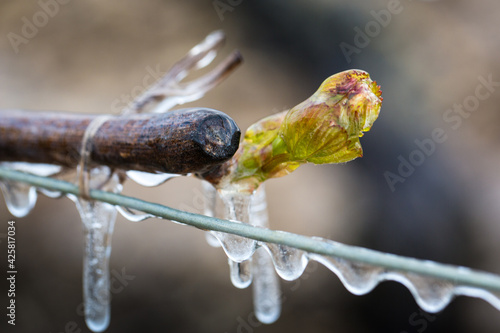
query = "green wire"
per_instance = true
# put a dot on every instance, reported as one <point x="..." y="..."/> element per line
<point x="455" y="274"/>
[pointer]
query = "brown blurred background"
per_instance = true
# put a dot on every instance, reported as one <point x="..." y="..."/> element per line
<point x="429" y="56"/>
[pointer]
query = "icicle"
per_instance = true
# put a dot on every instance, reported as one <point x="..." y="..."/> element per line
<point x="149" y="179"/>
<point x="98" y="221"/>
<point x="266" y="288"/>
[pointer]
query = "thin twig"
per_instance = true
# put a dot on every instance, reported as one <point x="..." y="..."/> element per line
<point x="455" y="274"/>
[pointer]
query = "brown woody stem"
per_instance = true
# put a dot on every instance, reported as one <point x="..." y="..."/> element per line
<point x="184" y="141"/>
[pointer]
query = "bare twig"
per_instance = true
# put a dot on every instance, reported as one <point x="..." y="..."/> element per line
<point x="183" y="141"/>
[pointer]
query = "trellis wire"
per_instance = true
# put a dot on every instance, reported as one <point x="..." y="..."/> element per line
<point x="455" y="274"/>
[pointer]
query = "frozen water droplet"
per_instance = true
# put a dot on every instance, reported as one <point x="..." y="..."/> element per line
<point x="266" y="289"/>
<point x="20" y="198"/>
<point x="149" y="179"/>
<point x="240" y="273"/>
<point x="358" y="278"/>
<point x="431" y="294"/>
<point x="236" y="247"/>
<point x="133" y="215"/>
<point x="289" y="262"/>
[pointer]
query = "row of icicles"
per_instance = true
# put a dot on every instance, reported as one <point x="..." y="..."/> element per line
<point x="250" y="261"/>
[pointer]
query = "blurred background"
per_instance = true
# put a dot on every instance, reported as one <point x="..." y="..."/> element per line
<point x="428" y="57"/>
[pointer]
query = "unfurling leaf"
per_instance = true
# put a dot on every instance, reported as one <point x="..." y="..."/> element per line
<point x="325" y="128"/>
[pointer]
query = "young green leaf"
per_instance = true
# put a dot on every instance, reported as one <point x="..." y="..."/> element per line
<point x="325" y="128"/>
